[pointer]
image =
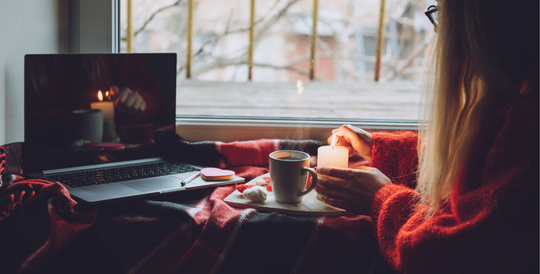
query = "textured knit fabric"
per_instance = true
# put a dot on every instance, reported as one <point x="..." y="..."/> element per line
<point x="43" y="230"/>
<point x="489" y="224"/>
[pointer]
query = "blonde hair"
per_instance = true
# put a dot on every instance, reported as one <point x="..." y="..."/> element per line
<point x="485" y="52"/>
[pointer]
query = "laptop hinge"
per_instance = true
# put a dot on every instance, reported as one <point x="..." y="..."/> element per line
<point x="123" y="163"/>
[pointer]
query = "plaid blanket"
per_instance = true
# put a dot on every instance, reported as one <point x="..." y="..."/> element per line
<point x="43" y="230"/>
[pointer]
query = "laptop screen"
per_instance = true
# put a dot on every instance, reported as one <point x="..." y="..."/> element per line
<point x="85" y="109"/>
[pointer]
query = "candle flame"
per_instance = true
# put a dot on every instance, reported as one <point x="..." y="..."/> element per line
<point x="107" y="94"/>
<point x="334" y="140"/>
<point x="300" y="86"/>
<point x="100" y="96"/>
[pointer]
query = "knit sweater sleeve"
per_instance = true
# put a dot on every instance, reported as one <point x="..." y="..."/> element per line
<point x="489" y="224"/>
<point x="395" y="155"/>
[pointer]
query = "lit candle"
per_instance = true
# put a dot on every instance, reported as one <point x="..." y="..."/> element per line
<point x="333" y="156"/>
<point x="109" y="125"/>
<point x="106" y="107"/>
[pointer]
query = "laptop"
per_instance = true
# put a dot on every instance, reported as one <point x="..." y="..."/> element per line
<point x="93" y="122"/>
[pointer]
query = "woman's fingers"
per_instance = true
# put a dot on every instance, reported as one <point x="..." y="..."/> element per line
<point x="334" y="202"/>
<point x="355" y="139"/>
<point x="332" y="193"/>
<point x="124" y="95"/>
<point x="114" y="92"/>
<point x="332" y="183"/>
<point x="344" y="143"/>
<point x="348" y="200"/>
<point x="343" y="173"/>
<point x="366" y="168"/>
<point x="130" y="101"/>
<point x="350" y="189"/>
<point x="140" y="105"/>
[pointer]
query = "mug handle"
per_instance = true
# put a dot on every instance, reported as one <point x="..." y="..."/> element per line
<point x="313" y="180"/>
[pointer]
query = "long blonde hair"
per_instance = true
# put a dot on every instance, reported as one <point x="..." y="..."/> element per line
<point x="485" y="52"/>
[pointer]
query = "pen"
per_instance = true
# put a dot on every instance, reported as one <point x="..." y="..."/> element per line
<point x="190" y="178"/>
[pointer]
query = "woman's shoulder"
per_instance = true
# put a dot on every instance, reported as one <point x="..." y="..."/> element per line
<point x="515" y="129"/>
<point x="522" y="109"/>
<point x="528" y="100"/>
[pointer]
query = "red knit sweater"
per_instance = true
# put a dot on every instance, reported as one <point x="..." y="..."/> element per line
<point x="489" y="225"/>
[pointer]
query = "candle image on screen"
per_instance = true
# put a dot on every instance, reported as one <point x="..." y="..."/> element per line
<point x="109" y="125"/>
<point x="332" y="156"/>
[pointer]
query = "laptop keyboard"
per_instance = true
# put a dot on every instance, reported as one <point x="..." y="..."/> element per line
<point x="117" y="174"/>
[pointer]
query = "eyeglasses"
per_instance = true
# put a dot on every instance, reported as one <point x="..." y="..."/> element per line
<point x="431" y="13"/>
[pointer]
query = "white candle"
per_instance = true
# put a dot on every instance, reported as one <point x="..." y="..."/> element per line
<point x="107" y="108"/>
<point x="333" y="156"/>
<point x="109" y="125"/>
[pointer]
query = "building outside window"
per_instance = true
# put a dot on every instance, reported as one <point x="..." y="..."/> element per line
<point x="342" y="88"/>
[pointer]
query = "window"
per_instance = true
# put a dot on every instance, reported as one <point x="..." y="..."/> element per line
<point x="281" y="93"/>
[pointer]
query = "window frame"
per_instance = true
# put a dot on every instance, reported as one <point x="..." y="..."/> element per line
<point x="94" y="26"/>
<point x="102" y="35"/>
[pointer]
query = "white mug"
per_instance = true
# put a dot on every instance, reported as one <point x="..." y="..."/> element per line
<point x="87" y="124"/>
<point x="288" y="175"/>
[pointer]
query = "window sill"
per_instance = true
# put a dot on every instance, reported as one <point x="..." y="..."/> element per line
<point x="228" y="129"/>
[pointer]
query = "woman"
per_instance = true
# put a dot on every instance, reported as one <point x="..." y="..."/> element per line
<point x="462" y="197"/>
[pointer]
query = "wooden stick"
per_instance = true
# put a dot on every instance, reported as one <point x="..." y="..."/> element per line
<point x="251" y="40"/>
<point x="189" y="39"/>
<point x="380" y="41"/>
<point x="313" y="48"/>
<point x="129" y="28"/>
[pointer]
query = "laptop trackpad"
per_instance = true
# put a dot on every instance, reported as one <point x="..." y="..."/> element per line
<point x="154" y="184"/>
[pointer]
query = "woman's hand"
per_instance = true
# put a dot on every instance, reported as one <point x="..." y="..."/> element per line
<point x="128" y="100"/>
<point x="357" y="140"/>
<point x="356" y="189"/>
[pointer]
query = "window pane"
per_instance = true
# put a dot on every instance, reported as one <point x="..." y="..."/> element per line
<point x="280" y="86"/>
